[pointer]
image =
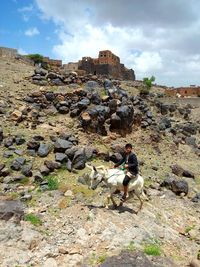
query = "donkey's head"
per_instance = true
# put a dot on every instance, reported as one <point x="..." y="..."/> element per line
<point x="95" y="177"/>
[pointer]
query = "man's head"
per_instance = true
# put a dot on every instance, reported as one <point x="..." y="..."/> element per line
<point x="128" y="148"/>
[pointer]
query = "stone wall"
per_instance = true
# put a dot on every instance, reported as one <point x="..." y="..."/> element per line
<point x="183" y="91"/>
<point x="71" y="66"/>
<point x="53" y="62"/>
<point x="8" y="52"/>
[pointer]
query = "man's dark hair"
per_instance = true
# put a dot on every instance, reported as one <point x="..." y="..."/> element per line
<point x="128" y="146"/>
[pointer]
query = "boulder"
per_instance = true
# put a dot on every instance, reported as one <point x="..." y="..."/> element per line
<point x="10" y="208"/>
<point x="62" y="145"/>
<point x="189" y="174"/>
<point x="61" y="157"/>
<point x="9" y="141"/>
<point x="128" y="258"/>
<point x="52" y="165"/>
<point x="27" y="170"/>
<point x="196" y="198"/>
<point x="177" y="169"/>
<point x="44" y="150"/>
<point x="79" y="159"/>
<point x="19" y="140"/>
<point x="33" y="145"/>
<point x="17" y="164"/>
<point x="83" y="104"/>
<point x="178" y="186"/>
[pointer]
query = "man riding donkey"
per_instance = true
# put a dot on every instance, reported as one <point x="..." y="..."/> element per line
<point x="130" y="163"/>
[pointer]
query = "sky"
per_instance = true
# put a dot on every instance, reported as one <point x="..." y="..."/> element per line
<point x="153" y="37"/>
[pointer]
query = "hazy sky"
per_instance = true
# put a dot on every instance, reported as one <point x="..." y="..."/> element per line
<point x="153" y="37"/>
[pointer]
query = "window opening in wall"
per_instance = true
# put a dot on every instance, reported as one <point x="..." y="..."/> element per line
<point x="185" y="92"/>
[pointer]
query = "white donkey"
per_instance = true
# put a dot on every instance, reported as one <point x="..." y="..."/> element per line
<point x="114" y="180"/>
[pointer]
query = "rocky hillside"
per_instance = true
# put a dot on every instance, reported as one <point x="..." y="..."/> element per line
<point x="51" y="125"/>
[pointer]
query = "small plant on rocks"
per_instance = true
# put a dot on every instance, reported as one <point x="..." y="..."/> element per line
<point x="152" y="249"/>
<point x="35" y="220"/>
<point x="52" y="183"/>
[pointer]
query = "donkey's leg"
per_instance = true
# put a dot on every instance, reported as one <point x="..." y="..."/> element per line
<point x="112" y="198"/>
<point x="141" y="202"/>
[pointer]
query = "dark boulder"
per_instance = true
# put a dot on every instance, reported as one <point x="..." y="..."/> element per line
<point x="61" y="145"/>
<point x="44" y="150"/>
<point x="178" y="186"/>
<point x="79" y="159"/>
<point x="63" y="110"/>
<point x="116" y="157"/>
<point x="44" y="170"/>
<point x="50" y="96"/>
<point x="52" y="165"/>
<point x="19" y="140"/>
<point x="17" y="164"/>
<point x="196" y="198"/>
<point x="83" y="104"/>
<point x="61" y="157"/>
<point x="33" y="145"/>
<point x="27" y="170"/>
<point x="177" y="170"/>
<point x="9" y="141"/>
<point x="7" y="154"/>
<point x="189" y="174"/>
<point x="95" y="99"/>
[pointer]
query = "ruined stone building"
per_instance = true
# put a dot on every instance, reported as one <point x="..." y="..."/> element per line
<point x="8" y="52"/>
<point x="184" y="91"/>
<point x="106" y="64"/>
<point x="52" y="62"/>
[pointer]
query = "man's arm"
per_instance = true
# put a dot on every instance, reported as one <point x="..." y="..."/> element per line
<point x="133" y="162"/>
<point x="120" y="162"/>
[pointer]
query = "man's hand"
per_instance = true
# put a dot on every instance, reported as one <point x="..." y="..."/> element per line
<point x="126" y="166"/>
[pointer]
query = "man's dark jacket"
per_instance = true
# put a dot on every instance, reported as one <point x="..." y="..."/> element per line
<point x="132" y="163"/>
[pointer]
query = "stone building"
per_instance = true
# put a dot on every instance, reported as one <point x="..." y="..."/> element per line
<point x="54" y="63"/>
<point x="71" y="66"/>
<point x="106" y="64"/>
<point x="184" y="91"/>
<point x="8" y="52"/>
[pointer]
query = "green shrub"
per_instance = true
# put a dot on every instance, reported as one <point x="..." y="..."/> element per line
<point x="147" y="84"/>
<point x="37" y="58"/>
<point x="35" y="220"/>
<point x="52" y="183"/>
<point x="152" y="249"/>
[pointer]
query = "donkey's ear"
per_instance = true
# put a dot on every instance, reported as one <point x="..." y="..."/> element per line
<point x="94" y="168"/>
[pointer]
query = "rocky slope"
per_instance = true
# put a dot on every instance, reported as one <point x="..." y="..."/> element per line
<point x="49" y="218"/>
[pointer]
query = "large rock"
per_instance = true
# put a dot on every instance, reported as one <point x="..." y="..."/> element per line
<point x="62" y="145"/>
<point x="135" y="259"/>
<point x="33" y="145"/>
<point x="17" y="164"/>
<point x="52" y="165"/>
<point x="44" y="150"/>
<point x="11" y="208"/>
<point x="178" y="186"/>
<point x="61" y="157"/>
<point x="177" y="169"/>
<point x="27" y="170"/>
<point x="79" y="160"/>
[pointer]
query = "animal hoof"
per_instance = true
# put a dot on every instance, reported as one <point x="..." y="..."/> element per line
<point x="121" y="204"/>
<point x="115" y="206"/>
